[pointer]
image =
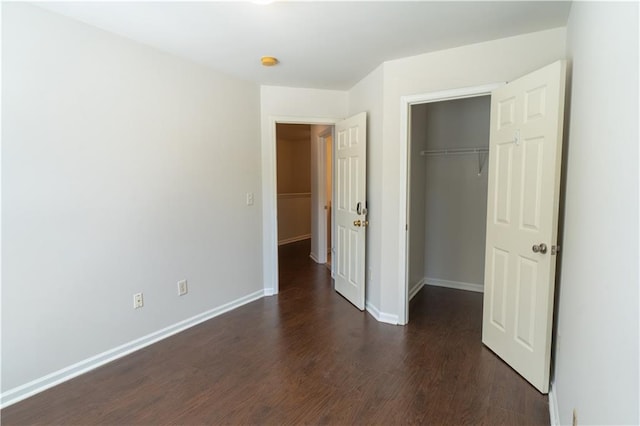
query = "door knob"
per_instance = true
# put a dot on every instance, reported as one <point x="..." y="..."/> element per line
<point x="540" y="248"/>
<point x="357" y="222"/>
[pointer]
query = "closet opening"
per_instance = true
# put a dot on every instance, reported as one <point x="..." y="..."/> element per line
<point x="447" y="194"/>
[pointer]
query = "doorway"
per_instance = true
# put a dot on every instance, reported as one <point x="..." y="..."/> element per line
<point x="349" y="219"/>
<point x="414" y="163"/>
<point x="449" y="142"/>
<point x="526" y="127"/>
<point x="293" y="160"/>
<point x="304" y="187"/>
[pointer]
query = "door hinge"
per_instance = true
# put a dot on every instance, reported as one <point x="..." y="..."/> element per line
<point x="406" y="227"/>
<point x="555" y="249"/>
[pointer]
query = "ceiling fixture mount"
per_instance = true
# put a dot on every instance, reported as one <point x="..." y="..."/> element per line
<point x="269" y="61"/>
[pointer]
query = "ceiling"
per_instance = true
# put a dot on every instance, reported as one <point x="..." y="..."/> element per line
<point x="327" y="45"/>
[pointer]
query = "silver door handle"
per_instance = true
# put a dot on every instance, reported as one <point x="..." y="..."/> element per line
<point x="540" y="248"/>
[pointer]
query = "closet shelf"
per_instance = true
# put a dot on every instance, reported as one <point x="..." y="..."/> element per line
<point x="454" y="151"/>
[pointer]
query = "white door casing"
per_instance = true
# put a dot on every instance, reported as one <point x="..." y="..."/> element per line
<point x="350" y="168"/>
<point x="406" y="103"/>
<point x="269" y="195"/>
<point x="522" y="214"/>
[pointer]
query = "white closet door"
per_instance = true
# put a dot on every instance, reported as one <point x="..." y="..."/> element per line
<point x="522" y="219"/>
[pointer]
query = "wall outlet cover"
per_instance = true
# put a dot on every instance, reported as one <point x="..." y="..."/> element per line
<point x="138" y="301"/>
<point x="182" y="287"/>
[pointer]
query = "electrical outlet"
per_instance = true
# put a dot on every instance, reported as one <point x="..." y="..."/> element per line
<point x="249" y="198"/>
<point x="182" y="287"/>
<point x="574" y="421"/>
<point x="138" y="301"/>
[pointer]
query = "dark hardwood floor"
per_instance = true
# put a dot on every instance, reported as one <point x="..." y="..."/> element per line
<point x="305" y="356"/>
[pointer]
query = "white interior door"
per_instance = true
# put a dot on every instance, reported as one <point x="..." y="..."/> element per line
<point x="522" y="218"/>
<point x="350" y="168"/>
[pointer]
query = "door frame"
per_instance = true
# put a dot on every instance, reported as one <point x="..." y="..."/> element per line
<point x="406" y="102"/>
<point x="270" y="198"/>
<point x="322" y="191"/>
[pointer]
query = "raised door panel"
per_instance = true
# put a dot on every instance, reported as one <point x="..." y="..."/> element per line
<point x="522" y="210"/>
<point x="350" y="165"/>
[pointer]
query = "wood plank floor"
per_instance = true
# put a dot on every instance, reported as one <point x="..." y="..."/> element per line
<point x="305" y="356"/>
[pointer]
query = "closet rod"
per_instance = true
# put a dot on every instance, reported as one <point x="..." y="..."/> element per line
<point x="454" y="151"/>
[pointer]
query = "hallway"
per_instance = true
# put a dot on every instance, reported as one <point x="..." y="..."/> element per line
<point x="305" y="356"/>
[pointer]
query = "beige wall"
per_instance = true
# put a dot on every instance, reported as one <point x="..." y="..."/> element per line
<point x="293" y="156"/>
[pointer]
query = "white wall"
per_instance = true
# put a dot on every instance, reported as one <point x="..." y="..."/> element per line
<point x="596" y="345"/>
<point x="471" y="65"/>
<point x="124" y="169"/>
<point x="416" y="197"/>
<point x="328" y="176"/>
<point x="367" y="96"/>
<point x="287" y="104"/>
<point x="318" y="195"/>
<point x="455" y="195"/>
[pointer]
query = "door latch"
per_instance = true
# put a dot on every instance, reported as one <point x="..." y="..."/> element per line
<point x="539" y="248"/>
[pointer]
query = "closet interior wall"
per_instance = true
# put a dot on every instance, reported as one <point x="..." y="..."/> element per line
<point x="448" y="194"/>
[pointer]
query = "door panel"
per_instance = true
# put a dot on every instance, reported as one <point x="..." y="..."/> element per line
<point x="526" y="301"/>
<point x="502" y="190"/>
<point x="350" y="210"/>
<point x="530" y="201"/>
<point x="522" y="213"/>
<point x="498" y="288"/>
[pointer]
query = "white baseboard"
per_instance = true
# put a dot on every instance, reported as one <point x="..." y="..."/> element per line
<point x="294" y="239"/>
<point x="43" y="383"/>
<point x="269" y="292"/>
<point x="381" y="316"/>
<point x="313" y="257"/>
<point x="554" y="414"/>
<point x="479" y="288"/>
<point x="416" y="288"/>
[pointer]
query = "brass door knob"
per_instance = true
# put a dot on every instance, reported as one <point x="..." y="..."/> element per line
<point x="357" y="223"/>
